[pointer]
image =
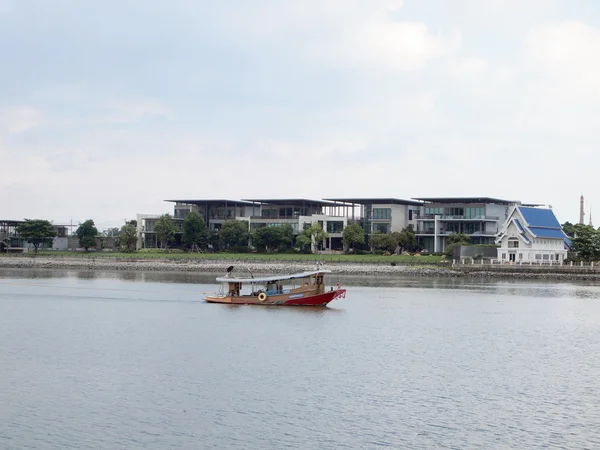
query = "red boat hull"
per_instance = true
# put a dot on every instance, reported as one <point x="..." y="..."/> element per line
<point x="295" y="300"/>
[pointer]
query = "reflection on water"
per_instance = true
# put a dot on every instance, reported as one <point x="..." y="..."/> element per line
<point x="134" y="360"/>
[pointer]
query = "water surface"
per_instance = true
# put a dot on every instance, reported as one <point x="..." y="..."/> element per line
<point x="136" y="360"/>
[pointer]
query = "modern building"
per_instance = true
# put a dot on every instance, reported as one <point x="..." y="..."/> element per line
<point x="479" y="217"/>
<point x="298" y="213"/>
<point x="532" y="235"/>
<point x="379" y="215"/>
<point x="10" y="240"/>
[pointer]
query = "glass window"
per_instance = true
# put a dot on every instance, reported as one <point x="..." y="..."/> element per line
<point x="382" y="213"/>
<point x="382" y="228"/>
<point x="335" y="226"/>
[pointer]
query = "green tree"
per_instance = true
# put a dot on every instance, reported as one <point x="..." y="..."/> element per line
<point x="586" y="243"/>
<point x="36" y="232"/>
<point x="165" y="230"/>
<point x="233" y="235"/>
<point x="195" y="231"/>
<point x="312" y="237"/>
<point x="569" y="229"/>
<point x="456" y="240"/>
<point x="269" y="238"/>
<point x="407" y="239"/>
<point x="112" y="232"/>
<point x="351" y="235"/>
<point x="383" y="241"/>
<point x="287" y="237"/>
<point x="128" y="237"/>
<point x="87" y="234"/>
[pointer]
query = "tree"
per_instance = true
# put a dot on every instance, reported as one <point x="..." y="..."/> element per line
<point x="351" y="235"/>
<point x="456" y="240"/>
<point x="165" y="230"/>
<point x="586" y="242"/>
<point x="87" y="233"/>
<point x="234" y="235"/>
<point x="195" y="231"/>
<point x="407" y="240"/>
<point x="269" y="238"/>
<point x="383" y="241"/>
<point x="128" y="237"/>
<point x="569" y="229"/>
<point x="312" y="237"/>
<point x="112" y="232"/>
<point x="36" y="232"/>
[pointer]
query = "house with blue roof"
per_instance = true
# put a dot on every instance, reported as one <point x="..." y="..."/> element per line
<point x="532" y="235"/>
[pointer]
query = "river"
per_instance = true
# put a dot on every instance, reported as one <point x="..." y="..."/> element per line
<point x="133" y="360"/>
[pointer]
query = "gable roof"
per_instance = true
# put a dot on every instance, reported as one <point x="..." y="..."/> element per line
<point x="542" y="223"/>
<point x="539" y="218"/>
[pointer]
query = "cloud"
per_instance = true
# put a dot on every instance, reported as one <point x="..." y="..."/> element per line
<point x="19" y="119"/>
<point x="342" y="97"/>
<point x="567" y="54"/>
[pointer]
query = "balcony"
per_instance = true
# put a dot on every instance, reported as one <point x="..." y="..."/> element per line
<point x="448" y="233"/>
<point x="274" y="217"/>
<point x="444" y="217"/>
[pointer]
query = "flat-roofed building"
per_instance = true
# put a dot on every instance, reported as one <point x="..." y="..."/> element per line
<point x="379" y="215"/>
<point x="479" y="217"/>
<point x="301" y="213"/>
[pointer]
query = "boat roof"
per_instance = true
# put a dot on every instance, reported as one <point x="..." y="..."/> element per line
<point x="292" y="276"/>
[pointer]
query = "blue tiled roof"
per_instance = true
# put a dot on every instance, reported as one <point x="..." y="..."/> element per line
<point x="539" y="218"/>
<point x="521" y="230"/>
<point x="550" y="233"/>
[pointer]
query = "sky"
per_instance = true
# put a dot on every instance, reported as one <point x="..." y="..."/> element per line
<point x="109" y="108"/>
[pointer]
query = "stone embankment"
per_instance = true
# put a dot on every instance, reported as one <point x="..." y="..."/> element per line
<point x="272" y="267"/>
<point x="217" y="266"/>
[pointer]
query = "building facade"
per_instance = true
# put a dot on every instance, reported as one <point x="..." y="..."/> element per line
<point x="532" y="235"/>
<point x="479" y="217"/>
<point x="10" y="240"/>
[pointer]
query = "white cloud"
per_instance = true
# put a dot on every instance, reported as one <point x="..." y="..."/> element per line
<point x="18" y="119"/>
<point x="567" y="54"/>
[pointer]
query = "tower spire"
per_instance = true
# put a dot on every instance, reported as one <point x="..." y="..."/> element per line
<point x="581" y="213"/>
<point x="591" y="216"/>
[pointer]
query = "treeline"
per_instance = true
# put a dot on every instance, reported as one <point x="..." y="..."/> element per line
<point x="585" y="241"/>
<point x="39" y="232"/>
<point x="235" y="236"/>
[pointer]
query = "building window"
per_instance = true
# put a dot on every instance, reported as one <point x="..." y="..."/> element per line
<point x="382" y="228"/>
<point x="434" y="211"/>
<point x="410" y="214"/>
<point x="382" y="213"/>
<point x="335" y="226"/>
<point x="520" y="255"/>
<point x="474" y="213"/>
<point x="538" y="256"/>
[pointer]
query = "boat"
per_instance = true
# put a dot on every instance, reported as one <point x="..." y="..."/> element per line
<point x="297" y="289"/>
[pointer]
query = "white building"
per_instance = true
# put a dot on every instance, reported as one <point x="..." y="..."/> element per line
<point x="478" y="217"/>
<point x="532" y="235"/>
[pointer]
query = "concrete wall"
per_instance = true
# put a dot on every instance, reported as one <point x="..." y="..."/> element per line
<point x="474" y="251"/>
<point x="60" y="243"/>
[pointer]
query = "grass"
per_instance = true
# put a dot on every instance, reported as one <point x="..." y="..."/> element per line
<point x="398" y="259"/>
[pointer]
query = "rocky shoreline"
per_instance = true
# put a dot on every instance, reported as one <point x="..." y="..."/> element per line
<point x="263" y="267"/>
<point x="272" y="267"/>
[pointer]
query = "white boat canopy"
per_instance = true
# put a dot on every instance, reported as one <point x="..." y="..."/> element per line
<point x="292" y="276"/>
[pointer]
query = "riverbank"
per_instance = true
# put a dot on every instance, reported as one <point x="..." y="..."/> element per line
<point x="273" y="267"/>
<point x="219" y="266"/>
